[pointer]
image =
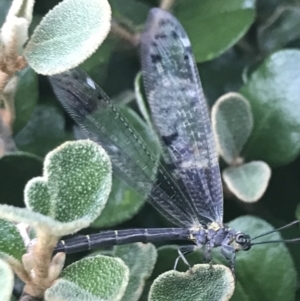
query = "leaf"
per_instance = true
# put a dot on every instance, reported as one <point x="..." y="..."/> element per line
<point x="78" y="173"/>
<point x="266" y="272"/>
<point x="298" y="212"/>
<point x="67" y="35"/>
<point x="140" y="259"/>
<point x="200" y="283"/>
<point x="96" y="65"/>
<point x="273" y="91"/>
<point x="166" y="258"/>
<point x="96" y="278"/>
<point x="6" y="280"/>
<point x="223" y="74"/>
<point x="124" y="202"/>
<point x="75" y="185"/>
<point x="232" y="124"/>
<point x="239" y="293"/>
<point x="130" y="11"/>
<point x="279" y="29"/>
<point x="11" y="242"/>
<point x="40" y="222"/>
<point x="26" y="97"/>
<point x="220" y="24"/>
<point x="44" y="131"/>
<point x="249" y="181"/>
<point x="16" y="170"/>
<point x="37" y="197"/>
<point x="73" y="190"/>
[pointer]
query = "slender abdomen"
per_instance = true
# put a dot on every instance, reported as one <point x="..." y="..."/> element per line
<point x="120" y="237"/>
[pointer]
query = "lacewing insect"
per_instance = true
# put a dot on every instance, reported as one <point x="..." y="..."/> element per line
<point x="194" y="198"/>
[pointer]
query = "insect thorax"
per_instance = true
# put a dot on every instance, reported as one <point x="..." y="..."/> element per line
<point x="215" y="234"/>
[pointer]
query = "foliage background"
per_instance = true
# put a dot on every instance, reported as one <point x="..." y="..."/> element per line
<point x="41" y="123"/>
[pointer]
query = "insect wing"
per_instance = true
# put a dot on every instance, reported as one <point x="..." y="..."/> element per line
<point x="132" y="159"/>
<point x="180" y="113"/>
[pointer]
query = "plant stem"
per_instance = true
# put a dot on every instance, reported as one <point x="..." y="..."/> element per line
<point x="166" y="4"/>
<point x="40" y="259"/>
<point x="124" y="34"/>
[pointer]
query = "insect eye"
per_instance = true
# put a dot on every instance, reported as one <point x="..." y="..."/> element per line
<point x="240" y="238"/>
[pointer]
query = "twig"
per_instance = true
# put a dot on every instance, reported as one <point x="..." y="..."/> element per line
<point x="166" y="4"/>
<point x="8" y="95"/>
<point x="18" y="269"/>
<point x="124" y="34"/>
<point x="38" y="262"/>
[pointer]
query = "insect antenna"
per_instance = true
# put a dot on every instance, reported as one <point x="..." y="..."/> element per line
<point x="277" y="241"/>
<point x="293" y="240"/>
<point x="278" y="229"/>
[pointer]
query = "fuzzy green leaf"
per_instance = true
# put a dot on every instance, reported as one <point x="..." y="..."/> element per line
<point x="96" y="278"/>
<point x="11" y="242"/>
<point x="166" y="259"/>
<point x="166" y="256"/>
<point x="37" y="197"/>
<point x="249" y="181"/>
<point x="41" y="222"/>
<point x="66" y="192"/>
<point x="227" y="22"/>
<point x="75" y="185"/>
<point x="124" y="202"/>
<point x="273" y="92"/>
<point x="200" y="283"/>
<point x="26" y="97"/>
<point x="79" y="179"/>
<point x="6" y="280"/>
<point x="279" y="29"/>
<point x="140" y="259"/>
<point x="232" y="124"/>
<point x="67" y="35"/>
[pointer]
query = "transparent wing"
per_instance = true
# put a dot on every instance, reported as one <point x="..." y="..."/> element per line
<point x="180" y="113"/>
<point x="132" y="159"/>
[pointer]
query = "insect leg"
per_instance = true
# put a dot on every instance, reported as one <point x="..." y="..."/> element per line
<point x="207" y="253"/>
<point x="229" y="253"/>
<point x="182" y="251"/>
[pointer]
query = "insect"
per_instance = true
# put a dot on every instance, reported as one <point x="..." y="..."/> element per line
<point x="194" y="198"/>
